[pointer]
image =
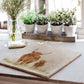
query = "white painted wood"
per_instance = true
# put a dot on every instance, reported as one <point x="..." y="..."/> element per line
<point x="80" y="31"/>
<point x="47" y="6"/>
<point x="82" y="12"/>
<point x="80" y="36"/>
<point x="36" y="5"/>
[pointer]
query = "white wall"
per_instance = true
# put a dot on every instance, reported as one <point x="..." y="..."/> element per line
<point x="59" y="4"/>
<point x="82" y="12"/>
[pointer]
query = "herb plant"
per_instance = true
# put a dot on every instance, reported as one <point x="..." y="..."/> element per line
<point x="29" y="17"/>
<point x="55" y="18"/>
<point x="13" y="8"/>
<point x="41" y="19"/>
<point x="69" y="17"/>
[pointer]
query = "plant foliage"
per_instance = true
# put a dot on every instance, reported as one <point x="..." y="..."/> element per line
<point x="55" y="18"/>
<point x="66" y="17"/>
<point x="41" y="19"/>
<point x="14" y="7"/>
<point x="69" y="17"/>
<point x="29" y="17"/>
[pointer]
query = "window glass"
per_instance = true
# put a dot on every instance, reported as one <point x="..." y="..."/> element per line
<point x="3" y="15"/>
<point x="59" y="4"/>
<point x="53" y="5"/>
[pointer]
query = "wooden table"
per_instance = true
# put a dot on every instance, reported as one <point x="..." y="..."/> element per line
<point x="74" y="72"/>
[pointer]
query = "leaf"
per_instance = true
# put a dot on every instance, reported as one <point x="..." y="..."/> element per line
<point x="14" y="7"/>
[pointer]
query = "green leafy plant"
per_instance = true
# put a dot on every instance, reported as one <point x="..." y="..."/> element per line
<point x="41" y="19"/>
<point x="29" y="17"/>
<point x="55" y="18"/>
<point x="13" y="8"/>
<point x="69" y="17"/>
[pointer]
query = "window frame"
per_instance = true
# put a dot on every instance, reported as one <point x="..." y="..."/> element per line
<point x="82" y="13"/>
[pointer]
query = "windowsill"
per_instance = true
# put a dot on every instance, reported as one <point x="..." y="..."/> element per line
<point x="3" y="31"/>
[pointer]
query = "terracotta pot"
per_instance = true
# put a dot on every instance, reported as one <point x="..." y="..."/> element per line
<point x="70" y="30"/>
<point x="42" y="29"/>
<point x="56" y="30"/>
<point x="29" y="28"/>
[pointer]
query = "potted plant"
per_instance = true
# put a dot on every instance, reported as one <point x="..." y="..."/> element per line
<point x="13" y="8"/>
<point x="56" y="22"/>
<point x="42" y="23"/>
<point x="69" y="21"/>
<point x="29" y="21"/>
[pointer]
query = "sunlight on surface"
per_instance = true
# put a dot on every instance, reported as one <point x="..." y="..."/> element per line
<point x="53" y="6"/>
<point x="59" y="4"/>
<point x="3" y="16"/>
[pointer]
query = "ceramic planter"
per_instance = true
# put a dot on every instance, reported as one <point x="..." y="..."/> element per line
<point x="29" y="28"/>
<point x="56" y="30"/>
<point x="42" y="29"/>
<point x="70" y="30"/>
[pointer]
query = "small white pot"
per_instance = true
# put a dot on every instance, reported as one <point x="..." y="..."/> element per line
<point x="56" y="30"/>
<point x="70" y="30"/>
<point x="29" y="28"/>
<point x="42" y="29"/>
